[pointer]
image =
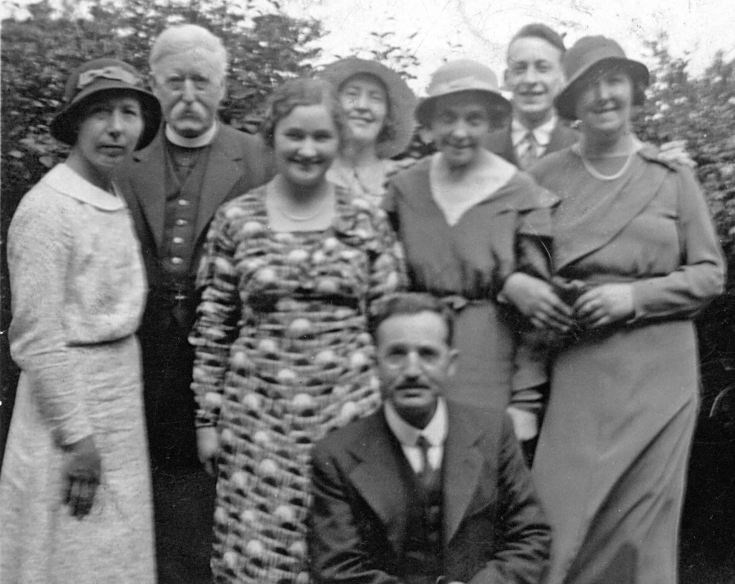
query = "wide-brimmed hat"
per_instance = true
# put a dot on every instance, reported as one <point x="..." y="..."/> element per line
<point x="401" y="99"/>
<point x="458" y="76"/>
<point x="590" y="56"/>
<point x="94" y="77"/>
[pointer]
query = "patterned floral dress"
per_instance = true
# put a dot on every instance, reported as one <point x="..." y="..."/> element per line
<point x="282" y="357"/>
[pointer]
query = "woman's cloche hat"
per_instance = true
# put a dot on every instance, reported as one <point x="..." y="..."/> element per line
<point x="401" y="99"/>
<point x="588" y="57"/>
<point x="94" y="77"/>
<point x="457" y="76"/>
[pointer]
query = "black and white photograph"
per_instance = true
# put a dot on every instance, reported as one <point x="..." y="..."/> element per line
<point x="332" y="292"/>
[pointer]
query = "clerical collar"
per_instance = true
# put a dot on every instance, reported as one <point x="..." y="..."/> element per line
<point x="198" y="142"/>
<point x="542" y="133"/>
<point x="435" y="431"/>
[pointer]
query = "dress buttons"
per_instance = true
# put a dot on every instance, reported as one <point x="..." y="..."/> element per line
<point x="176" y="261"/>
<point x="183" y="203"/>
<point x="181" y="222"/>
<point x="178" y="240"/>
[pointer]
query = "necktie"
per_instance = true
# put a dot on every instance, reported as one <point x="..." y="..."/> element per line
<point x="426" y="472"/>
<point x="528" y="154"/>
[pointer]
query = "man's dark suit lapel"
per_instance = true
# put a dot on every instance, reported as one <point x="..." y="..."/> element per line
<point x="224" y="168"/>
<point x="378" y="477"/>
<point x="462" y="466"/>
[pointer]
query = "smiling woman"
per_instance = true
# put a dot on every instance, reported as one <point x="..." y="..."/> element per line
<point x="378" y="106"/>
<point x="469" y="220"/>
<point x="75" y="486"/>
<point x="634" y="234"/>
<point x="282" y="349"/>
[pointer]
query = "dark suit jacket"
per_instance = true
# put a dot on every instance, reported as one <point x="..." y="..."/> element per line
<point x="237" y="163"/>
<point x="500" y="141"/>
<point x="493" y="528"/>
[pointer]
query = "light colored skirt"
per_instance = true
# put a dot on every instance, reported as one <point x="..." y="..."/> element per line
<point x="40" y="542"/>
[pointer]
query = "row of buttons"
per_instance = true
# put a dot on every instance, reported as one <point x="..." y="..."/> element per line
<point x="176" y="260"/>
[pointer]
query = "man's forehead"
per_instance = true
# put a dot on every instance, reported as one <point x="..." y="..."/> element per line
<point x="422" y="327"/>
<point x="193" y="60"/>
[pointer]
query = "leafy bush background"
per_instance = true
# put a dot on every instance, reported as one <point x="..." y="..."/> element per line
<point x="266" y="47"/>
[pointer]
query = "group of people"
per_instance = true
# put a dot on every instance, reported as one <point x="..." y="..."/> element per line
<point x="475" y="367"/>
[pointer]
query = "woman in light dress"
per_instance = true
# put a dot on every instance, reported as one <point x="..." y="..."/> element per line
<point x="75" y="486"/>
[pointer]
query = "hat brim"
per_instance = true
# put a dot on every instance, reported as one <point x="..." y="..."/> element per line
<point x="64" y="125"/>
<point x="401" y="99"/>
<point x="566" y="101"/>
<point x="494" y="98"/>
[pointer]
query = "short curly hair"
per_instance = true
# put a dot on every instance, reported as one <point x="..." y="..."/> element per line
<point x="303" y="91"/>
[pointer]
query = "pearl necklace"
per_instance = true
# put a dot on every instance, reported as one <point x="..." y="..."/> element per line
<point x="597" y="174"/>
<point x="281" y="207"/>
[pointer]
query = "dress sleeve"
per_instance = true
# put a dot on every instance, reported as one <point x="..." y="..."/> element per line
<point x="534" y="231"/>
<point x="701" y="274"/>
<point x="388" y="267"/>
<point x="390" y="205"/>
<point x="216" y="322"/>
<point x="534" y="257"/>
<point x="40" y="254"/>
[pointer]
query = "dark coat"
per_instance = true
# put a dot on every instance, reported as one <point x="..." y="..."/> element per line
<point x="237" y="163"/>
<point x="493" y="528"/>
<point x="500" y="141"/>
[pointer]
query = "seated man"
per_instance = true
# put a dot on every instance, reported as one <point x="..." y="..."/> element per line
<point x="425" y="490"/>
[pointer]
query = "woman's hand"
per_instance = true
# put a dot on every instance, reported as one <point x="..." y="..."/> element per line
<point x="208" y="448"/>
<point x="81" y="472"/>
<point x="537" y="301"/>
<point x="605" y="304"/>
<point x="676" y="151"/>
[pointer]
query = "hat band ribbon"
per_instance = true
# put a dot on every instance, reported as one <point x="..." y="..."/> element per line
<point x="113" y="73"/>
<point x="464" y="84"/>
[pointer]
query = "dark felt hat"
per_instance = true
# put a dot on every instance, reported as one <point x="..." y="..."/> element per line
<point x="401" y="99"/>
<point x="91" y="79"/>
<point x="590" y="56"/>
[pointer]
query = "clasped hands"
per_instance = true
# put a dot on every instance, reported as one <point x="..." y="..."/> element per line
<point x="594" y="307"/>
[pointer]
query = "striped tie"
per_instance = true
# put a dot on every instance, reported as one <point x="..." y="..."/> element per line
<point x="528" y="154"/>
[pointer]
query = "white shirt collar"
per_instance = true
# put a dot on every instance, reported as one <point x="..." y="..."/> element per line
<point x="435" y="431"/>
<point x="63" y="179"/>
<point x="198" y="142"/>
<point x="542" y="133"/>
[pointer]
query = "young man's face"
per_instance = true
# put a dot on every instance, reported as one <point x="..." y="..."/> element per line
<point x="415" y="362"/>
<point x="535" y="77"/>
